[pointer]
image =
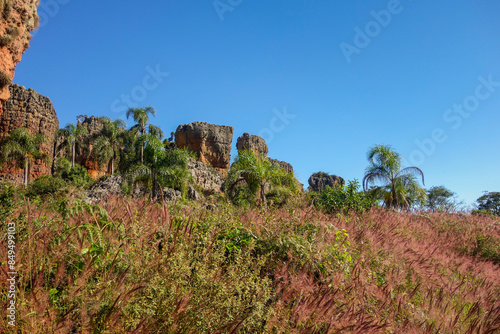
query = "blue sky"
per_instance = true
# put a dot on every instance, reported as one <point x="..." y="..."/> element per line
<point x="321" y="80"/>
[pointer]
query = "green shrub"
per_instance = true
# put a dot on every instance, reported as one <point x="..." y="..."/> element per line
<point x="46" y="185"/>
<point x="77" y="175"/>
<point x="343" y="199"/>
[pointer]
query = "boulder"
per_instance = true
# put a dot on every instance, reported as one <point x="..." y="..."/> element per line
<point x="318" y="181"/>
<point x="210" y="142"/>
<point x="193" y="194"/>
<point x="26" y="108"/>
<point x="253" y="143"/>
<point x="171" y="195"/>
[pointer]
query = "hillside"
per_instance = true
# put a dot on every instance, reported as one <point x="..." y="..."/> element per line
<point x="130" y="266"/>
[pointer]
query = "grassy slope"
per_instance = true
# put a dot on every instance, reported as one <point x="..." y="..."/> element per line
<point x="147" y="268"/>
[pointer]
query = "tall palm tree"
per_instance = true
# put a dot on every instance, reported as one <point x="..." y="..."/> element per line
<point x="141" y="117"/>
<point x="258" y="174"/>
<point x="74" y="136"/>
<point x="399" y="186"/>
<point x="23" y="147"/>
<point x="107" y="146"/>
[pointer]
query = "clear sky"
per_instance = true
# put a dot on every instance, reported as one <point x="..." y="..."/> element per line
<point x="321" y="80"/>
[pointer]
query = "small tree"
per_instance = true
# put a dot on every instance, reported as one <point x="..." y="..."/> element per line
<point x="399" y="187"/>
<point x="161" y="168"/>
<point x="23" y="147"/>
<point x="489" y="202"/>
<point x="74" y="137"/>
<point x="441" y="199"/>
<point x="107" y="146"/>
<point x="141" y="117"/>
<point x="257" y="175"/>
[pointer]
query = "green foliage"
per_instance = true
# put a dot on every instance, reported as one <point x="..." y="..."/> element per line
<point x="4" y="79"/>
<point x="108" y="144"/>
<point x="399" y="187"/>
<point x="22" y="147"/>
<point x="77" y="175"/>
<point x="74" y="140"/>
<point x="489" y="202"/>
<point x="11" y="33"/>
<point x="161" y="168"/>
<point x="251" y="178"/>
<point x="441" y="199"/>
<point x="343" y="199"/>
<point x="46" y="185"/>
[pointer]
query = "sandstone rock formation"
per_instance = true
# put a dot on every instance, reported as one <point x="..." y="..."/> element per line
<point x="207" y="178"/>
<point x="252" y="142"/>
<point x="318" y="181"/>
<point x="211" y="143"/>
<point x="283" y="164"/>
<point x="26" y="108"/>
<point x="18" y="18"/>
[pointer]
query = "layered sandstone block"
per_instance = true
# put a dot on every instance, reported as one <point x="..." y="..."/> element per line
<point x="211" y="143"/>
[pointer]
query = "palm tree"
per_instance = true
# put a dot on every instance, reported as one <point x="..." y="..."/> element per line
<point x="23" y="147"/>
<point x="141" y="117"/>
<point x="400" y="188"/>
<point x="73" y="136"/>
<point x="258" y="174"/>
<point x="161" y="168"/>
<point x="107" y="146"/>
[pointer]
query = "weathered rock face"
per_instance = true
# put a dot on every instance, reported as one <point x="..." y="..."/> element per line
<point x="212" y="143"/>
<point x="18" y="18"/>
<point x="318" y="181"/>
<point x="253" y="143"/>
<point x="283" y="164"/>
<point x="207" y="178"/>
<point x="26" y="108"/>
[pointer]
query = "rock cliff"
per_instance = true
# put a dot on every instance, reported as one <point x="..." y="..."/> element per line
<point x="18" y="18"/>
<point x="211" y="143"/>
<point x="26" y="108"/>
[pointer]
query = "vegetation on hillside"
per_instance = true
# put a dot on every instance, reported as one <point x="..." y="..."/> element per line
<point x="138" y="267"/>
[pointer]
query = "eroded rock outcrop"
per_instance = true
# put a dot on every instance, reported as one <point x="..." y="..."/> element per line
<point x="318" y="181"/>
<point x="26" y="108"/>
<point x="18" y="18"/>
<point x="253" y="143"/>
<point x="206" y="177"/>
<point x="283" y="164"/>
<point x="211" y="143"/>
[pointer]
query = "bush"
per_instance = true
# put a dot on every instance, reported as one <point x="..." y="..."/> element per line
<point x="77" y="175"/>
<point x="46" y="185"/>
<point x="343" y="199"/>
